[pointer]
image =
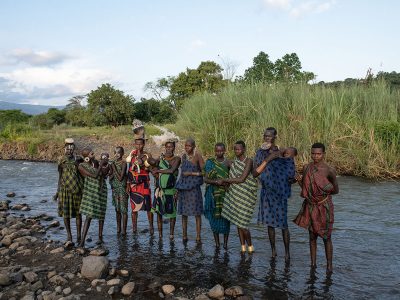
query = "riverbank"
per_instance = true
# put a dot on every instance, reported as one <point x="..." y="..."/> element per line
<point x="33" y="266"/>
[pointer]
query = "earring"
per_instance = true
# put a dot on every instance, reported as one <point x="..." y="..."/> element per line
<point x="86" y="159"/>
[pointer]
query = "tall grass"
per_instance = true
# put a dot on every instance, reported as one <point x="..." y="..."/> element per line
<point x="344" y="118"/>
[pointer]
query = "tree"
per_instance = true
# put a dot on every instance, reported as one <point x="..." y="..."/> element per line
<point x="261" y="71"/>
<point x="160" y="87"/>
<point x="109" y="106"/>
<point x="207" y="77"/>
<point x="152" y="110"/>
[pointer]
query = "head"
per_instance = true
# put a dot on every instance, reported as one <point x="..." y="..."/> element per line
<point x="118" y="152"/>
<point x="87" y="154"/>
<point x="290" y="152"/>
<point x="169" y="148"/>
<point x="239" y="148"/>
<point x="105" y="156"/>
<point x="190" y="145"/>
<point x="219" y="150"/>
<point x="139" y="144"/>
<point x="270" y="135"/>
<point x="69" y="147"/>
<point x="318" y="152"/>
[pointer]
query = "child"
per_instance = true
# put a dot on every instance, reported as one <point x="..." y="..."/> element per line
<point x="118" y="186"/>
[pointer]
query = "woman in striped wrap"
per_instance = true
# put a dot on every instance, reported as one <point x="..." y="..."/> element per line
<point x="241" y="197"/>
<point x="94" y="199"/>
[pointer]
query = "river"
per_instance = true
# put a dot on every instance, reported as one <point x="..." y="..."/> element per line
<point x="365" y="239"/>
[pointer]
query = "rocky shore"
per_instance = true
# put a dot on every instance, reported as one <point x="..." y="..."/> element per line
<point x="33" y="266"/>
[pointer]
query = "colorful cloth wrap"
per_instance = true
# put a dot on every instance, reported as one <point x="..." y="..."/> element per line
<point x="241" y="198"/>
<point x="190" y="199"/>
<point x="214" y="196"/>
<point x="70" y="188"/>
<point x="316" y="213"/>
<point x="275" y="191"/>
<point x="164" y="195"/>
<point x="139" y="181"/>
<point x="119" y="195"/>
<point x="94" y="199"/>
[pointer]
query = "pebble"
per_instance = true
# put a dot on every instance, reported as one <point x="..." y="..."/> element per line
<point x="99" y="252"/>
<point x="4" y="280"/>
<point x="68" y="256"/>
<point x="30" y="277"/>
<point x="216" y="292"/>
<point x="123" y="273"/>
<point x="115" y="281"/>
<point x="11" y="194"/>
<point x="51" y="274"/>
<point x="95" y="282"/>
<point x="37" y="286"/>
<point x="113" y="290"/>
<point x="202" y="297"/>
<point x="58" y="289"/>
<point x="67" y="291"/>
<point x="57" y="250"/>
<point x="128" y="288"/>
<point x="168" y="289"/>
<point x="98" y="288"/>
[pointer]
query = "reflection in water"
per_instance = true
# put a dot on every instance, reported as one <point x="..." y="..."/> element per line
<point x="366" y="258"/>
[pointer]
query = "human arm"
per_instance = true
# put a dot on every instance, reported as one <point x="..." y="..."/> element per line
<point x="332" y="178"/>
<point x="175" y="163"/>
<point x="86" y="173"/>
<point x="299" y="177"/>
<point x="120" y="176"/>
<point x="246" y="172"/>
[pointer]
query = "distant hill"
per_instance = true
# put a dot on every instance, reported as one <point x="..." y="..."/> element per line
<point x="27" y="108"/>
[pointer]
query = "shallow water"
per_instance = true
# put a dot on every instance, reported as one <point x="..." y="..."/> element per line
<point x="365" y="238"/>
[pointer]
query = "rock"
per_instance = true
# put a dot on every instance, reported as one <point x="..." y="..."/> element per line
<point x="54" y="224"/>
<point x="7" y="240"/>
<point x="98" y="289"/>
<point x="244" y="297"/>
<point x="28" y="297"/>
<point x="51" y="274"/>
<point x="4" y="279"/>
<point x="70" y="276"/>
<point x="154" y="285"/>
<point x="216" y="292"/>
<point x="13" y="246"/>
<point x="168" y="289"/>
<point x="94" y="267"/>
<point x="67" y="291"/>
<point x="3" y="205"/>
<point x="123" y="273"/>
<point x="11" y="195"/>
<point x="57" y="250"/>
<point x="51" y="296"/>
<point x="26" y="208"/>
<point x="202" y="297"/>
<point x="25" y="240"/>
<point x="114" y="281"/>
<point x="113" y="290"/>
<point x="68" y="256"/>
<point x="89" y="289"/>
<point x="95" y="282"/>
<point x="234" y="291"/>
<point x="68" y="245"/>
<point x="36" y="286"/>
<point x="81" y="251"/>
<point x="58" y="289"/>
<point x="128" y="288"/>
<point x="58" y="280"/>
<point x="112" y="272"/>
<point x="99" y="252"/>
<point x="16" y="277"/>
<point x="161" y="295"/>
<point x="43" y="201"/>
<point x="30" y="277"/>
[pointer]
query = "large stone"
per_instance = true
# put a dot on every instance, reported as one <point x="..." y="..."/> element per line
<point x="3" y="205"/>
<point x="202" y="297"/>
<point x="95" y="282"/>
<point x="168" y="289"/>
<point x="30" y="277"/>
<point x="4" y="280"/>
<point x="67" y="291"/>
<point x="36" y="286"/>
<point x="94" y="267"/>
<point x="57" y="250"/>
<point x="216" y="292"/>
<point x="11" y="194"/>
<point x="128" y="288"/>
<point x="7" y="240"/>
<point x="13" y="246"/>
<point x="115" y="281"/>
<point x="234" y="291"/>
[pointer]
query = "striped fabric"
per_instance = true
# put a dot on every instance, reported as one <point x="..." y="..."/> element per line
<point x="94" y="199"/>
<point x="241" y="198"/>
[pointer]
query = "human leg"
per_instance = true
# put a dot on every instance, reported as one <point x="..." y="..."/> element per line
<point x="150" y="218"/>
<point x="67" y="223"/>
<point x="271" y="236"/>
<point x="118" y="217"/>
<point x="226" y="237"/>
<point x="101" y="226"/>
<point x="313" y="249"/>
<point x="328" y="254"/>
<point x="286" y="242"/>
<point x="172" y="222"/>
<point x="134" y="221"/>
<point x="216" y="239"/>
<point x="184" y="228"/>
<point x="198" y="228"/>
<point x="78" y="228"/>
<point x="85" y="231"/>
<point x="160" y="225"/>
<point x="124" y="223"/>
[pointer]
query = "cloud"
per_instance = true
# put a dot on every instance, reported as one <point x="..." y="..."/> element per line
<point x="50" y="85"/>
<point x="197" y="44"/>
<point x="37" y="58"/>
<point x="299" y="8"/>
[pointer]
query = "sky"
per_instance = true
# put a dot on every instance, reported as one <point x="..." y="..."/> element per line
<point x="51" y="50"/>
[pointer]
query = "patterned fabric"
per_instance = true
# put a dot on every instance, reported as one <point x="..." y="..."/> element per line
<point x="275" y="191"/>
<point x="94" y="200"/>
<point x="240" y="199"/>
<point x="190" y="199"/>
<point x="214" y="196"/>
<point x="70" y="188"/>
<point x="139" y="180"/>
<point x="316" y="213"/>
<point x="164" y="195"/>
<point x="119" y="195"/>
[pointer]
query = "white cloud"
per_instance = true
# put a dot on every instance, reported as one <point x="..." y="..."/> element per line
<point x="37" y="58"/>
<point x="299" y="8"/>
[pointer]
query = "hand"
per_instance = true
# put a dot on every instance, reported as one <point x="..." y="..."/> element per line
<point x="219" y="182"/>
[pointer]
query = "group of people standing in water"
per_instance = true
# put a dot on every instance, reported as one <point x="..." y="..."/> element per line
<point x="230" y="195"/>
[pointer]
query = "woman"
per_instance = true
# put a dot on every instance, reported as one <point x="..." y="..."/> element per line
<point x="241" y="197"/>
<point x="166" y="174"/>
<point x="216" y="168"/>
<point x="190" y="199"/>
<point x="94" y="199"/>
